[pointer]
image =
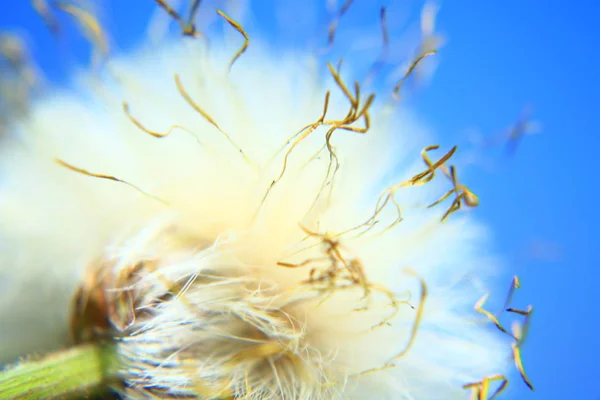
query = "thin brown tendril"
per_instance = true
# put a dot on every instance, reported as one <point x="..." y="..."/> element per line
<point x="187" y="28"/>
<point x="18" y="76"/>
<point x="159" y="135"/>
<point x="479" y="308"/>
<point x="519" y="363"/>
<point x="335" y="22"/>
<point x="463" y="195"/>
<point x="241" y="30"/>
<point x="108" y="177"/>
<point x="207" y="117"/>
<point x="514" y="285"/>
<point x="91" y="28"/>
<point x="410" y="70"/>
<point x="481" y="389"/>
<point x="383" y="55"/>
<point x="42" y="8"/>
<point x="522" y="127"/>
<point x="415" y="327"/>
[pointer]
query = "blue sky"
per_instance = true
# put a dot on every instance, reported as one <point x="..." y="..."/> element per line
<point x="500" y="57"/>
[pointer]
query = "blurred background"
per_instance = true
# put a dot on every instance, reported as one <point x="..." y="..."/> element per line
<point x="511" y="67"/>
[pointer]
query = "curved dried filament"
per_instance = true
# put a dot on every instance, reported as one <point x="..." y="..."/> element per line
<point x="154" y="133"/>
<point x="515" y="284"/>
<point x="335" y="22"/>
<point x="43" y="9"/>
<point x="428" y="17"/>
<point x="415" y="327"/>
<point x="193" y="10"/>
<point x="338" y="80"/>
<point x="302" y="263"/>
<point x="479" y="308"/>
<point x="526" y="323"/>
<point x="481" y="389"/>
<point x="241" y="30"/>
<point x="388" y="195"/>
<point x="207" y="117"/>
<point x="410" y="70"/>
<point x="418" y="316"/>
<point x="383" y="55"/>
<point x="522" y="127"/>
<point x="108" y="177"/>
<point x="519" y="363"/>
<point x="14" y="50"/>
<point x="187" y="28"/>
<point x="463" y="195"/>
<point x="90" y="26"/>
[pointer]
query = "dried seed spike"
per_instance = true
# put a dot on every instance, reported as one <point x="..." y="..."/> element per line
<point x="485" y="388"/>
<point x="384" y="29"/>
<point x="43" y="9"/>
<point x="338" y="80"/>
<point x="522" y="127"/>
<point x="335" y="22"/>
<point x="90" y="26"/>
<point x="410" y="70"/>
<point x="207" y="117"/>
<point x="428" y="15"/>
<point x="463" y="194"/>
<point x="385" y="38"/>
<point x="479" y="308"/>
<point x="187" y="29"/>
<point x="514" y="285"/>
<point x="519" y="363"/>
<point x="481" y="389"/>
<point x="108" y="177"/>
<point x="169" y="10"/>
<point x="18" y="78"/>
<point x="154" y="133"/>
<point x="241" y="30"/>
<point x="526" y="324"/>
<point x="339" y="66"/>
<point x="193" y="10"/>
<point x="517" y="311"/>
<point x="302" y="263"/>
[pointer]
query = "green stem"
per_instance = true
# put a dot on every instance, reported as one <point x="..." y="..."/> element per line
<point x="76" y="371"/>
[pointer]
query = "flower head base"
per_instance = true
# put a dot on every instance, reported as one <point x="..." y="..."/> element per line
<point x="233" y="240"/>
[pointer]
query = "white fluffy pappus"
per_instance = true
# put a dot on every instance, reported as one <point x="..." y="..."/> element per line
<point x="199" y="301"/>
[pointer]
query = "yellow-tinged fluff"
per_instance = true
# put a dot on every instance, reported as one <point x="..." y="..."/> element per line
<point x="198" y="268"/>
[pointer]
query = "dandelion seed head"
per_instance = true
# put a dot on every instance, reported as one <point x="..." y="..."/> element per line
<point x="219" y="290"/>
